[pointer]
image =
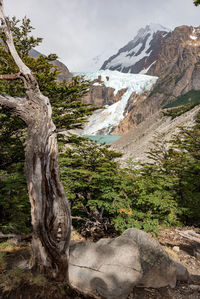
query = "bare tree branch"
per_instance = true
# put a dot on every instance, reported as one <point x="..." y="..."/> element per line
<point x="25" y="73"/>
<point x="18" y="237"/>
<point x="10" y="102"/>
<point x="10" y="77"/>
<point x="189" y="234"/>
<point x="22" y="67"/>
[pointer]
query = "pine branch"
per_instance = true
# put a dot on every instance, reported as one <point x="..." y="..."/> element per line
<point x="9" y="40"/>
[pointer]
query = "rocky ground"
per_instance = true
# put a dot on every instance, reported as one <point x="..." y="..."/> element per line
<point x="23" y="285"/>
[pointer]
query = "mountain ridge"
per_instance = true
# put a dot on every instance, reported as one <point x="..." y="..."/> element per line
<point x="140" y="53"/>
<point x="64" y="71"/>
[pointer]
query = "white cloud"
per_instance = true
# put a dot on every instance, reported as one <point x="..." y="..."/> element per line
<point x="77" y="30"/>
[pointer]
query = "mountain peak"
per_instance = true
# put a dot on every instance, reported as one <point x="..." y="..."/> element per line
<point x="141" y="52"/>
<point x="150" y="29"/>
<point x="157" y="27"/>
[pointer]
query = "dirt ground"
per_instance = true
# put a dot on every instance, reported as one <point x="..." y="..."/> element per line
<point x="23" y="285"/>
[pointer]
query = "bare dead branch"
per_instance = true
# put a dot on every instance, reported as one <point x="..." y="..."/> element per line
<point x="10" y="76"/>
<point x="8" y="236"/>
<point x="189" y="234"/>
<point x="9" y="40"/>
<point x="10" y="102"/>
<point x="18" y="237"/>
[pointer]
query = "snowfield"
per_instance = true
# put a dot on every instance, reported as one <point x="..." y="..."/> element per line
<point x="105" y="119"/>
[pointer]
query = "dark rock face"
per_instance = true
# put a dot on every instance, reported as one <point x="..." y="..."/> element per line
<point x="65" y="73"/>
<point x="99" y="95"/>
<point x="140" y="53"/>
<point x="182" y="45"/>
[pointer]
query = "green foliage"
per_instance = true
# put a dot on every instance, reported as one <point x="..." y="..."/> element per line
<point x="100" y="190"/>
<point x="154" y="202"/>
<point x="175" y="112"/>
<point x="156" y="89"/>
<point x="196" y="2"/>
<point x="23" y="41"/>
<point x="167" y="190"/>
<point x="14" y="203"/>
<point x="11" y="279"/>
<point x="39" y="280"/>
<point x="189" y="98"/>
<point x="7" y="246"/>
<point x="164" y="192"/>
<point x="181" y="162"/>
<point x="91" y="178"/>
<point x="186" y="159"/>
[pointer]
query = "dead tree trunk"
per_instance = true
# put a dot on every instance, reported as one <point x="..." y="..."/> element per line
<point x="50" y="210"/>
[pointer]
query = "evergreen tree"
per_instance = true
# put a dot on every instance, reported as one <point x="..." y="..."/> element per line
<point x="92" y="179"/>
<point x="196" y="2"/>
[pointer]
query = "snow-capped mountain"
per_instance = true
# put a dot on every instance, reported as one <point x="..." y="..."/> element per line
<point x="104" y="120"/>
<point x="140" y="53"/>
<point x="131" y="98"/>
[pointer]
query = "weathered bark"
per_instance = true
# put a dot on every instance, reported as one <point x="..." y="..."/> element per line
<point x="50" y="210"/>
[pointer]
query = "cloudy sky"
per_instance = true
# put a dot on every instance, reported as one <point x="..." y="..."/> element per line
<point x="79" y="30"/>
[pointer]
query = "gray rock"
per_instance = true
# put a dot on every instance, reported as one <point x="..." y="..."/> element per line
<point x="176" y="248"/>
<point x="182" y="273"/>
<point x="159" y="270"/>
<point x="111" y="268"/>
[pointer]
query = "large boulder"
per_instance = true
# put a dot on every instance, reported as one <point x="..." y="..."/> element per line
<point x="111" y="268"/>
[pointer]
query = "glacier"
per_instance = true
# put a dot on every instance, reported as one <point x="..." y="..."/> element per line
<point x="105" y="119"/>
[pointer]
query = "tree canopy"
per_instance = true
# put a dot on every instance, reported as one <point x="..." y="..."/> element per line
<point x="196" y="2"/>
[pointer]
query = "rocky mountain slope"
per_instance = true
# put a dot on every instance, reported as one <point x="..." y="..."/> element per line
<point x="178" y="69"/>
<point x="64" y="74"/>
<point x="140" y="53"/>
<point x="138" y="141"/>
